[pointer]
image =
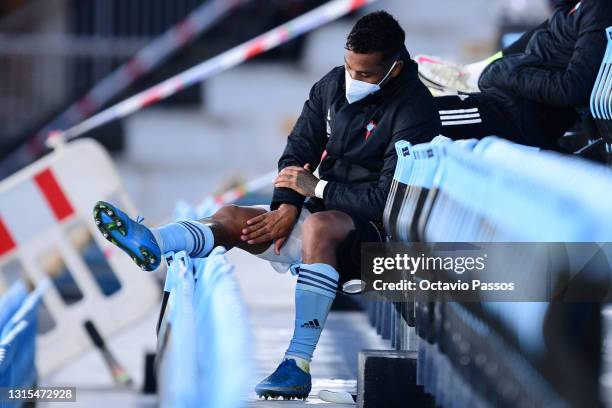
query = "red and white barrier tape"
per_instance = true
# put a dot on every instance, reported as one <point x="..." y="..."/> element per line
<point x="235" y="56"/>
<point x="144" y="61"/>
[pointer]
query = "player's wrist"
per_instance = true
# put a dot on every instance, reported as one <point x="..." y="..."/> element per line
<point x="289" y="209"/>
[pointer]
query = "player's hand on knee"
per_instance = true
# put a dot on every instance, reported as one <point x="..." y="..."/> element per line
<point x="299" y="179"/>
<point x="273" y="225"/>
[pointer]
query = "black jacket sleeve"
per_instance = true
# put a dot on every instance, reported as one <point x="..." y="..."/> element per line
<point x="520" y="45"/>
<point x="305" y="144"/>
<point x="367" y="200"/>
<point x="523" y="74"/>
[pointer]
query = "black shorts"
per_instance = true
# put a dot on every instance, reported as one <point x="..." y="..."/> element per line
<point x="349" y="252"/>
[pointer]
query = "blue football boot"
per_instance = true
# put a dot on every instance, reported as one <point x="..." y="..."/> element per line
<point x="131" y="236"/>
<point x="287" y="381"/>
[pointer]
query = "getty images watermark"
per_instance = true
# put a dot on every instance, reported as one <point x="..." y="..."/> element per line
<point x="474" y="272"/>
<point x="425" y="263"/>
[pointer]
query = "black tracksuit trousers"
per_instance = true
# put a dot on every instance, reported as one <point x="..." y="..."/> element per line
<point x="475" y="116"/>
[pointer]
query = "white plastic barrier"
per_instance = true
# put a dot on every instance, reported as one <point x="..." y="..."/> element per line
<point x="47" y="230"/>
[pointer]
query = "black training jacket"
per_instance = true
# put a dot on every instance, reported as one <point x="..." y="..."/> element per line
<point x="358" y="163"/>
<point x="561" y="60"/>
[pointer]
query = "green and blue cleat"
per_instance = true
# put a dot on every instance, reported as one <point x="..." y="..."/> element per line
<point x="131" y="236"/>
<point x="288" y="381"/>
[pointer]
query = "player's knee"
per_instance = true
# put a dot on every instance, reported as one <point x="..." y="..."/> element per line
<point x="236" y="214"/>
<point x="232" y="217"/>
<point x="326" y="228"/>
<point x="230" y="211"/>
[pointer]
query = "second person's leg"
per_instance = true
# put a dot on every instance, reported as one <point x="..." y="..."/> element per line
<point x="476" y="116"/>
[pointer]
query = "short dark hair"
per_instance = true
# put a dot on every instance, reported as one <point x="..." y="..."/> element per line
<point x="376" y="32"/>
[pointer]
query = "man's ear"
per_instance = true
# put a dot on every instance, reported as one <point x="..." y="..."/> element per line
<point x="397" y="69"/>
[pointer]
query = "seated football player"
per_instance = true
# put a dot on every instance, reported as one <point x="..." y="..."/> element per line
<point x="316" y="221"/>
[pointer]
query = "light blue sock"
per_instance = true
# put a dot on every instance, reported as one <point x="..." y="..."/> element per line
<point x="192" y="237"/>
<point x="314" y="294"/>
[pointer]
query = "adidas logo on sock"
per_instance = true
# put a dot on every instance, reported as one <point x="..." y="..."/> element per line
<point x="312" y="324"/>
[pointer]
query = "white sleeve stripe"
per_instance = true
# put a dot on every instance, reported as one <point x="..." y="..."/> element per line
<point x="456" y="111"/>
<point x="453" y="117"/>
<point x="461" y="122"/>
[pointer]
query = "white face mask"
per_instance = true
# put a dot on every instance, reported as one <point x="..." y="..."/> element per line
<point x="357" y="90"/>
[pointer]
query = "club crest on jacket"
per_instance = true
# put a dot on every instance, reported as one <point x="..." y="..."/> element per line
<point x="370" y="128"/>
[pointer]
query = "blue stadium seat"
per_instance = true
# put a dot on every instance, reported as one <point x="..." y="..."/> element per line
<point x="27" y="310"/>
<point x="11" y="301"/>
<point x="497" y="191"/>
<point x="18" y="340"/>
<point x="203" y="341"/>
<point x="413" y="179"/>
<point x="18" y="326"/>
<point x="537" y="189"/>
<point x="601" y="98"/>
<point x="17" y="357"/>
